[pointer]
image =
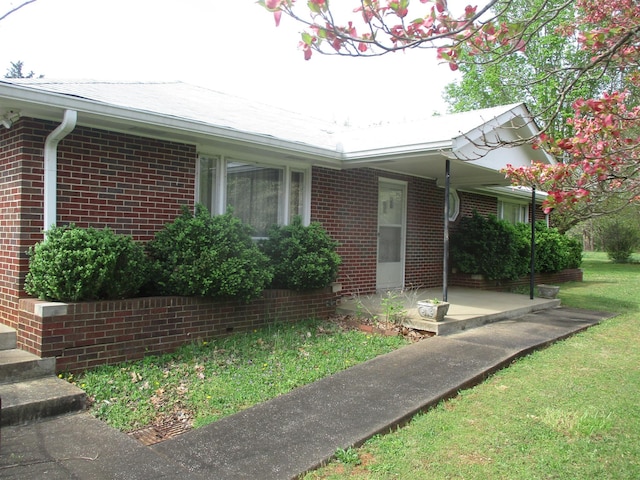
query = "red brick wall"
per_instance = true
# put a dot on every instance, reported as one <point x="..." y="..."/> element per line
<point x="346" y="204"/>
<point x="483" y="204"/>
<point x="425" y="233"/>
<point x="20" y="208"/>
<point x="130" y="184"/>
<point x="477" y="281"/>
<point x="88" y="334"/>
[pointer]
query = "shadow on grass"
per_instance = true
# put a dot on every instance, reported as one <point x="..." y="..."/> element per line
<point x="603" y="303"/>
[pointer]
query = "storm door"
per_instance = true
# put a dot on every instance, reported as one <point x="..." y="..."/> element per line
<point x="392" y="205"/>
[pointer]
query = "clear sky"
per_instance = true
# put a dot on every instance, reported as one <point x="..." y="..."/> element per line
<point x="231" y="46"/>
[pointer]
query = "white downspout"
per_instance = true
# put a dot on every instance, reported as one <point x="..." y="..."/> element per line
<point x="51" y="166"/>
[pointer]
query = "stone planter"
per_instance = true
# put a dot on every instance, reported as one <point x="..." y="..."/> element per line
<point x="548" y="291"/>
<point x="432" y="310"/>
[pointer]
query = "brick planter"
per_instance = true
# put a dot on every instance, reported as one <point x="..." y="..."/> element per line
<point x="87" y="334"/>
<point x="478" y="281"/>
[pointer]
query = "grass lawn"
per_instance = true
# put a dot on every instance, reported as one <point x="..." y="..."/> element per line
<point x="571" y="411"/>
<point x="204" y="382"/>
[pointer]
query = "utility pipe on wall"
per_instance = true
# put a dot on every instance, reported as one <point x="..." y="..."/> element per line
<point x="51" y="166"/>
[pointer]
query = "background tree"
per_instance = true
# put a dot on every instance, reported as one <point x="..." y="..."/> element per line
<point x="535" y="76"/>
<point x="15" y="71"/>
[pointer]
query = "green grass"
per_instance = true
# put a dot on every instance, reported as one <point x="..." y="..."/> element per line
<point x="204" y="382"/>
<point x="571" y="411"/>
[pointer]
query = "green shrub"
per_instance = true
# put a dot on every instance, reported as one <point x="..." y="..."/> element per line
<point x="554" y="250"/>
<point x="490" y="247"/>
<point x="575" y="248"/>
<point x="73" y="264"/>
<point x="201" y="255"/>
<point x="619" y="239"/>
<point x="302" y="257"/>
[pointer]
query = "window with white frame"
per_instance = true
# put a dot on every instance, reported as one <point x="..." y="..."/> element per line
<point x="260" y="195"/>
<point x="513" y="212"/>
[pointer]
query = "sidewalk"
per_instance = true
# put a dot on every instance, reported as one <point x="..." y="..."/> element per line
<point x="294" y="433"/>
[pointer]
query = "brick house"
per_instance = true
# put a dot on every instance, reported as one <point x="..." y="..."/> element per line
<point x="129" y="155"/>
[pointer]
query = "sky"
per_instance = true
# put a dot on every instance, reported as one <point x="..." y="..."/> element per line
<point x="231" y="46"/>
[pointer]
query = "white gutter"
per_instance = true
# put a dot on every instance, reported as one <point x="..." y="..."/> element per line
<point x="51" y="166"/>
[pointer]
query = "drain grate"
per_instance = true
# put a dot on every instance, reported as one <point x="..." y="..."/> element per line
<point x="159" y="433"/>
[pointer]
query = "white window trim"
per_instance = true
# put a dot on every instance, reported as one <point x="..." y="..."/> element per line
<point x="220" y="201"/>
<point x="502" y="201"/>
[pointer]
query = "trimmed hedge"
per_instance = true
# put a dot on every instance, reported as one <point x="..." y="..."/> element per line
<point x="490" y="247"/>
<point x="195" y="255"/>
<point x="73" y="264"/>
<point x="302" y="258"/>
<point x="554" y="251"/>
<point x="201" y="255"/>
<point x="499" y="250"/>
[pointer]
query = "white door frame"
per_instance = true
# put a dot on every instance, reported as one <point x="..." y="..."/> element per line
<point x="391" y="275"/>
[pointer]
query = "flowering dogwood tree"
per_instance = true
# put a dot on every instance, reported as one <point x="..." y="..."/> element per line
<point x="599" y="162"/>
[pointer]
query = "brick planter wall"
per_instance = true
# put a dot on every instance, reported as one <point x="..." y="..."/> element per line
<point x="478" y="281"/>
<point x="87" y="334"/>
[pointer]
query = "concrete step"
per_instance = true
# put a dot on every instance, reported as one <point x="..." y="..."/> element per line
<point x="8" y="338"/>
<point x="17" y="365"/>
<point x="30" y="400"/>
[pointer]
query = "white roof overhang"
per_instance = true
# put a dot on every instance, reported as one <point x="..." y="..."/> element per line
<point x="207" y="137"/>
<point x="417" y="148"/>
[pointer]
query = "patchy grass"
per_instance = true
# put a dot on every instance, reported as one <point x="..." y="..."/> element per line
<point x="204" y="382"/>
<point x="569" y="411"/>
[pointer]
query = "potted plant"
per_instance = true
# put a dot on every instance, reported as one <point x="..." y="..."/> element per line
<point x="433" y="308"/>
<point x="548" y="291"/>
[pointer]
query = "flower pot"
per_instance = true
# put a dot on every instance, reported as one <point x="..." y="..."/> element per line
<point x="434" y="311"/>
<point x="548" y="291"/>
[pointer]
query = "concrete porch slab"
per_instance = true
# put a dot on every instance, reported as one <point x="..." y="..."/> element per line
<point x="469" y="308"/>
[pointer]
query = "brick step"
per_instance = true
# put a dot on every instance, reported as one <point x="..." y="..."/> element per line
<point x="8" y="338"/>
<point x="31" y="400"/>
<point x="17" y="365"/>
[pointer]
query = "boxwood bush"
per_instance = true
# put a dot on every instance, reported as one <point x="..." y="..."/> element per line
<point x="554" y="251"/>
<point x="490" y="247"/>
<point x="201" y="255"/>
<point x="502" y="251"/>
<point x="302" y="257"/>
<point x="73" y="264"/>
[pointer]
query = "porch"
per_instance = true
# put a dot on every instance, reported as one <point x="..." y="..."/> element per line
<point x="469" y="307"/>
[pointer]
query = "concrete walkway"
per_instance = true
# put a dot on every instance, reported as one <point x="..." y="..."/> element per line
<point x="294" y="433"/>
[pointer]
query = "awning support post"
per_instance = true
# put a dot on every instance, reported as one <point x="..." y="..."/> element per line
<point x="445" y="259"/>
<point x="532" y="278"/>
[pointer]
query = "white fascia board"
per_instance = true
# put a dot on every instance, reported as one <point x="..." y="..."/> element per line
<point x="498" y="130"/>
<point x="514" y="191"/>
<point x="52" y="105"/>
<point x="398" y="151"/>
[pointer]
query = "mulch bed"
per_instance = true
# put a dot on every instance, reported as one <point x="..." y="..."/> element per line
<point x="350" y="322"/>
